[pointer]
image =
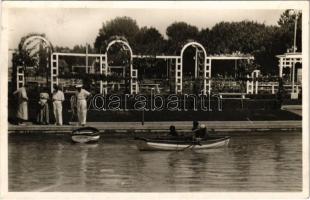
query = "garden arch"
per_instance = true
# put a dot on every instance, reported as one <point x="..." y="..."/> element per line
<point x="31" y="44"/>
<point x="289" y="60"/>
<point x="206" y="72"/>
<point x="38" y="38"/>
<point x="133" y="73"/>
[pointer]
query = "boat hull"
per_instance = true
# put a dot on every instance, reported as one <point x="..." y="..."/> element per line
<point x="85" y="138"/>
<point x="153" y="145"/>
<point x="85" y="135"/>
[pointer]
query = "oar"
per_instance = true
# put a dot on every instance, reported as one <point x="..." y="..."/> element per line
<point x="186" y="147"/>
<point x="191" y="145"/>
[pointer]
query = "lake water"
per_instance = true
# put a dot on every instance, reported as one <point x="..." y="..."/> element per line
<point x="258" y="162"/>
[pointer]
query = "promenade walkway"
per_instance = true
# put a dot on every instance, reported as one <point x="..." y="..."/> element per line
<point x="182" y="126"/>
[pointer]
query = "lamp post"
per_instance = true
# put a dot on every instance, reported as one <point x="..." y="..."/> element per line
<point x="294" y="13"/>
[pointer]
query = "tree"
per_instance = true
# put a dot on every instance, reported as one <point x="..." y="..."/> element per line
<point x="229" y="37"/>
<point x="248" y="37"/>
<point x="270" y="47"/>
<point x="178" y="33"/>
<point x="149" y="41"/>
<point x="203" y="37"/>
<point x="278" y="40"/>
<point x="287" y="25"/>
<point x="120" y="26"/>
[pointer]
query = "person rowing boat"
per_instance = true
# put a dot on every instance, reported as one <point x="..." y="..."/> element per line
<point x="195" y="125"/>
<point x="199" y="131"/>
<point x="173" y="141"/>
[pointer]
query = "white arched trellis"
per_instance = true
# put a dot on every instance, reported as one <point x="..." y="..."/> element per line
<point x="133" y="75"/>
<point x="29" y="45"/>
<point x="55" y="66"/>
<point x="289" y="60"/>
<point x="206" y="68"/>
<point x="103" y="61"/>
<point x="37" y="37"/>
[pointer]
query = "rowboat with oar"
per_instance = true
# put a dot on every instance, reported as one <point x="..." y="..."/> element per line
<point x="85" y="135"/>
<point x="179" y="144"/>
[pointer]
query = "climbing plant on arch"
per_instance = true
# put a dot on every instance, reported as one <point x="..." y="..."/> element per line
<point x="133" y="73"/>
<point x="202" y="66"/>
<point x="103" y="63"/>
<point x="29" y="50"/>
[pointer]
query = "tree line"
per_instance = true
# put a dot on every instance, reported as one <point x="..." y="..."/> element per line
<point x="262" y="41"/>
<point x="248" y="37"/>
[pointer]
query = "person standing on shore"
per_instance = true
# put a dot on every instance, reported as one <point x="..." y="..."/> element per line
<point x="58" y="98"/>
<point x="22" y="110"/>
<point x="43" y="116"/>
<point x="81" y="96"/>
<point x="280" y="93"/>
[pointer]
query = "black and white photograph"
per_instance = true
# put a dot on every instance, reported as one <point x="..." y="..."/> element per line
<point x="154" y="100"/>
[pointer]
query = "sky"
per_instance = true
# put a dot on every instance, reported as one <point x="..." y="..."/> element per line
<point x="73" y="26"/>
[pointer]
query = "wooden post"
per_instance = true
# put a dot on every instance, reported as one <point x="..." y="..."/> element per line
<point x="294" y="93"/>
<point x="196" y="62"/>
<point x="86" y="60"/>
<point x="142" y="122"/>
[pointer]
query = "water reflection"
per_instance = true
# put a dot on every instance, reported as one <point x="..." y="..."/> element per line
<point x="250" y="163"/>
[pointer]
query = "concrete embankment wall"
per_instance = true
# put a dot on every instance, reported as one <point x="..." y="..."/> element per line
<point x="163" y="127"/>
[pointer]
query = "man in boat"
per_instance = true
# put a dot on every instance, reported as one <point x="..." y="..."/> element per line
<point x="201" y="132"/>
<point x="81" y="96"/>
<point x="195" y="125"/>
<point x="173" y="131"/>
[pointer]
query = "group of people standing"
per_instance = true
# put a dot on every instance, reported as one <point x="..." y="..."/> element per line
<point x="43" y="112"/>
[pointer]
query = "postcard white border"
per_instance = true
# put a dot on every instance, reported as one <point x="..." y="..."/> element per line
<point x="301" y="5"/>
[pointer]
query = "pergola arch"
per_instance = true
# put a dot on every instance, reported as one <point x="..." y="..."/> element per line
<point x="206" y="68"/>
<point x="103" y="62"/>
<point x="38" y="37"/>
<point x="26" y="46"/>
<point x="193" y="44"/>
<point x="175" y="67"/>
<point x="289" y="60"/>
<point x="124" y="43"/>
<point x="133" y="74"/>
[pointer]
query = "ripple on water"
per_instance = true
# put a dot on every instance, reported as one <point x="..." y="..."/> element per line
<point x="269" y="162"/>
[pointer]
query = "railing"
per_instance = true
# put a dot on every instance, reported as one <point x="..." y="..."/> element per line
<point x="272" y="87"/>
<point x="226" y="95"/>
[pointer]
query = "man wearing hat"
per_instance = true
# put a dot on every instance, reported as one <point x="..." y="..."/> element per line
<point x="201" y="132"/>
<point x="81" y="96"/>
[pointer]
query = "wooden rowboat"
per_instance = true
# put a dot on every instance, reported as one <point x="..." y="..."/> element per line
<point x="85" y="135"/>
<point x="179" y="144"/>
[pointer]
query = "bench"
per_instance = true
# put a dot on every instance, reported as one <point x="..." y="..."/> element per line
<point x="150" y="86"/>
<point x="232" y="96"/>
